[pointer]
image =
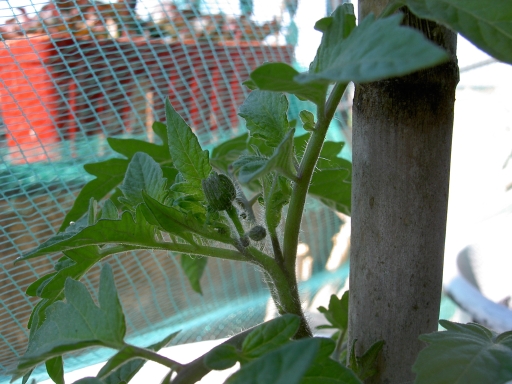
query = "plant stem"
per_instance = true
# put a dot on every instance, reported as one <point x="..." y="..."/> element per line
<point x="339" y="345"/>
<point x="246" y="205"/>
<point x="220" y="253"/>
<point x="196" y="370"/>
<point x="278" y="254"/>
<point x="288" y="292"/>
<point x="153" y="356"/>
<point x="254" y="199"/>
<point x="272" y="225"/>
<point x="285" y="291"/>
<point x="304" y="175"/>
<point x="233" y="215"/>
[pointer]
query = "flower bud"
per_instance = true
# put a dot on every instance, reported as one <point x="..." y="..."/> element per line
<point x="219" y="191"/>
<point x="244" y="241"/>
<point x="257" y="233"/>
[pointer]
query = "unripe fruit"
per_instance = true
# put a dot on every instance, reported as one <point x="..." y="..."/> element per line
<point x="257" y="233"/>
<point x="219" y="191"/>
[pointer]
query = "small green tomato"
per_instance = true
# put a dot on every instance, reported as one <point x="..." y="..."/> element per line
<point x="219" y="191"/>
<point x="257" y="233"/>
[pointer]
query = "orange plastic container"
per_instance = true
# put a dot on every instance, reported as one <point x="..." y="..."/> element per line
<point x="28" y="99"/>
<point x="41" y="104"/>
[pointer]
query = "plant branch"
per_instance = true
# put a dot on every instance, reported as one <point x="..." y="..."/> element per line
<point x="284" y="291"/>
<point x="305" y="173"/>
<point x="264" y="261"/>
<point x="271" y="226"/>
<point x="196" y="370"/>
<point x="220" y="253"/>
<point x="278" y="253"/>
<point x="242" y="200"/>
<point x="153" y="356"/>
<point x="255" y="198"/>
<point x="233" y="215"/>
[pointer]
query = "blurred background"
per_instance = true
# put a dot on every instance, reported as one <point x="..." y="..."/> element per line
<point x="73" y="72"/>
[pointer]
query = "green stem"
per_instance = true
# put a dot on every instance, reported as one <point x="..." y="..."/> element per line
<point x="305" y="173"/>
<point x="339" y="344"/>
<point x="271" y="225"/>
<point x="264" y="261"/>
<point x="246" y="205"/>
<point x="196" y="370"/>
<point x="233" y="215"/>
<point x="286" y="294"/>
<point x="278" y="253"/>
<point x="220" y="253"/>
<point x="153" y="356"/>
<point x="254" y="199"/>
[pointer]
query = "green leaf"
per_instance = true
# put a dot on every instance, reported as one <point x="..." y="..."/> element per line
<point x="127" y="231"/>
<point x="125" y="358"/>
<point x="178" y="223"/>
<point x="109" y="211"/>
<point x="124" y="365"/>
<point x="189" y="159"/>
<point x="77" y="324"/>
<point x="337" y="314"/>
<point x="78" y="263"/>
<point x="194" y="266"/>
<point x="277" y="192"/>
<point x="34" y="288"/>
<point x="167" y="378"/>
<point x="35" y="315"/>
<point x="82" y="259"/>
<point x="375" y="50"/>
<point x="266" y="116"/>
<point x="487" y="24"/>
<point x="158" y="152"/>
<point x="88" y="380"/>
<point x="92" y="212"/>
<point x="270" y="335"/>
<point x="285" y="365"/>
<point x="324" y="370"/>
<point x="367" y="364"/>
<point x="108" y="300"/>
<point x="250" y="84"/>
<point x="335" y="29"/>
<point x="323" y="24"/>
<point x="223" y="155"/>
<point x="464" y="353"/>
<point x="143" y="174"/>
<point x="308" y="120"/>
<point x="110" y="173"/>
<point x="221" y="357"/>
<point x="332" y="170"/>
<point x="329" y="371"/>
<point x="280" y="77"/>
<point x="55" y="369"/>
<point x="250" y="168"/>
<point x="353" y="362"/>
<point x="27" y="377"/>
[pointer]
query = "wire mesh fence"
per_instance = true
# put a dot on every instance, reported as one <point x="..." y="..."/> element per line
<point x="75" y="72"/>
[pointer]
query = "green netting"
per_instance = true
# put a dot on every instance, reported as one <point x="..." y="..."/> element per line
<point x="75" y="72"/>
